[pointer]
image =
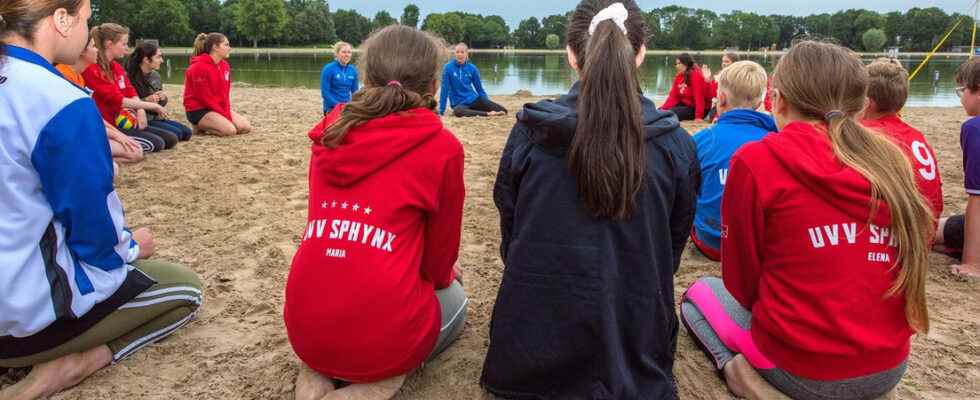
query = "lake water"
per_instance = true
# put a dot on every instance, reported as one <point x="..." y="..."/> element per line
<point x="542" y="74"/>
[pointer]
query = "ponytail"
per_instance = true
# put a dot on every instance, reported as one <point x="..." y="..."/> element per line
<point x="107" y="32"/>
<point x="401" y="68"/>
<point x="607" y="155"/>
<point x="199" y="43"/>
<point x="205" y="42"/>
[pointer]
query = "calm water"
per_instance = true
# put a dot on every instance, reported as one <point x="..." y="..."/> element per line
<point x="542" y="74"/>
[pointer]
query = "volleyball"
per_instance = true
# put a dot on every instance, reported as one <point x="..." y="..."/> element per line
<point x="125" y="120"/>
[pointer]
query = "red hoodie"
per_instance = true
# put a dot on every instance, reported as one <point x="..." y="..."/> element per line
<point x="692" y="96"/>
<point x="109" y="93"/>
<point x="919" y="152"/>
<point x="797" y="250"/>
<point x="207" y="86"/>
<point x="384" y="226"/>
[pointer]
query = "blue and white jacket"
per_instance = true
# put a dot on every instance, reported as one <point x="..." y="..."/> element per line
<point x="337" y="84"/>
<point x="461" y="83"/>
<point x="64" y="246"/>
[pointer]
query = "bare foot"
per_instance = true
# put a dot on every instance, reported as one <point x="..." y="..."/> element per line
<point x="744" y="381"/>
<point x="311" y="385"/>
<point x="383" y="390"/>
<point x="52" y="377"/>
<point x="967" y="271"/>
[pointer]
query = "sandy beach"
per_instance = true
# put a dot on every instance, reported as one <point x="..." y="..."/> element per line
<point x="234" y="209"/>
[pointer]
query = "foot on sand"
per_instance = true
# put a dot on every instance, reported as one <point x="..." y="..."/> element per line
<point x="967" y="271"/>
<point x="744" y="381"/>
<point x="383" y="390"/>
<point x="52" y="377"/>
<point x="311" y="385"/>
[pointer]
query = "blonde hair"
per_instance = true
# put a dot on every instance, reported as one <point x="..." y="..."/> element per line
<point x="889" y="86"/>
<point x="337" y="47"/>
<point x="842" y="88"/>
<point x="205" y="42"/>
<point x="744" y="83"/>
<point x="108" y="32"/>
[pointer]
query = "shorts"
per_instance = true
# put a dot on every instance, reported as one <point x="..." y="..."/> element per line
<point x="954" y="234"/>
<point x="195" y="117"/>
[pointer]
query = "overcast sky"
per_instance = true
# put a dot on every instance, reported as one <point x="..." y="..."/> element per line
<point x="516" y="10"/>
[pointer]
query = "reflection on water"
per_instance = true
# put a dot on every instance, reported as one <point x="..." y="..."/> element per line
<point x="544" y="74"/>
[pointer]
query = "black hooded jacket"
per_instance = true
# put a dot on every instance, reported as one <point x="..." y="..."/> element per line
<point x="586" y="306"/>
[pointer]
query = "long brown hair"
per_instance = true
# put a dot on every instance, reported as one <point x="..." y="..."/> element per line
<point x="401" y="70"/>
<point x="608" y="156"/>
<point x="108" y="32"/>
<point x="205" y="42"/>
<point x="873" y="155"/>
<point x="20" y="17"/>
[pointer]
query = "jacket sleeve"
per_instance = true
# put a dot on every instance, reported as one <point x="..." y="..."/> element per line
<point x="505" y="188"/>
<point x="325" y="86"/>
<point x="672" y="98"/>
<point x="103" y="91"/>
<point x="75" y="168"/>
<point x="444" y="91"/>
<point x="742" y="234"/>
<point x="357" y="84"/>
<point x="443" y="227"/>
<point x="478" y="82"/>
<point x="697" y="80"/>
<point x="685" y="201"/>
<point x="198" y="81"/>
<point x="768" y="101"/>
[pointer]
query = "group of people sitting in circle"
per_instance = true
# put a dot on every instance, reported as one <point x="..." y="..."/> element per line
<point x="693" y="94"/>
<point x="132" y="101"/>
<point x="821" y="214"/>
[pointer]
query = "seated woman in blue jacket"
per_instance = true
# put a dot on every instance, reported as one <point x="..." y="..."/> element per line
<point x="338" y="80"/>
<point x="596" y="196"/>
<point x="461" y="84"/>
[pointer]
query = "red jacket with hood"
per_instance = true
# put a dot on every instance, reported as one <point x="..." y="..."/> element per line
<point x="919" y="152"/>
<point x="799" y="252"/>
<point x="690" y="95"/>
<point x="207" y="86"/>
<point x="109" y="93"/>
<point x="385" y="216"/>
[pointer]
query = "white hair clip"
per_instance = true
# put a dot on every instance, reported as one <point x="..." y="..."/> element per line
<point x="616" y="12"/>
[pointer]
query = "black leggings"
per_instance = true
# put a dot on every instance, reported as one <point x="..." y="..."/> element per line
<point x="183" y="133"/>
<point x="152" y="139"/>
<point x="684" y="112"/>
<point x="479" y="108"/>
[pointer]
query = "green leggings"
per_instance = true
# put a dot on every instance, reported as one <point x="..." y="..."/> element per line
<point x="153" y="315"/>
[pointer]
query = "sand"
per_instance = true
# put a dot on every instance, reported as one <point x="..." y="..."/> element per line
<point x="233" y="209"/>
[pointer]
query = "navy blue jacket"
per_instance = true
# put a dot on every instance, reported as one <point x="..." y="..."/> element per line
<point x="586" y="306"/>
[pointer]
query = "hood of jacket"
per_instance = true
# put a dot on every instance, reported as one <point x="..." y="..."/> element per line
<point x="552" y="123"/>
<point x="749" y="117"/>
<point x="372" y="146"/>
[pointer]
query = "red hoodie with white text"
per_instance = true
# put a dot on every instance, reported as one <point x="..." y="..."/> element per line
<point x="692" y="95"/>
<point x="799" y="252"/>
<point x="109" y="93"/>
<point x="207" y="86"/>
<point x="383" y="233"/>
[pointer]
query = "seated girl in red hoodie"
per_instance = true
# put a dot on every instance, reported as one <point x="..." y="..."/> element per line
<point x="824" y="250"/>
<point x="686" y="98"/>
<point x="371" y="293"/>
<point x="207" y="89"/>
<point x="115" y="95"/>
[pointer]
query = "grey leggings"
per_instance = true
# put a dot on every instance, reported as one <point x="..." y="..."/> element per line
<point x="711" y="292"/>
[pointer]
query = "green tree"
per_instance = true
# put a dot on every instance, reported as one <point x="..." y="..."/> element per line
<point x="924" y="27"/>
<point x="894" y="27"/>
<point x="528" y="34"/>
<point x="552" y="41"/>
<point x="817" y="26"/>
<point x="448" y="26"/>
<point x="119" y="11"/>
<point x="382" y="19"/>
<point x="261" y="20"/>
<point x="351" y="26"/>
<point x="410" y="16"/>
<point x="164" y="20"/>
<point x="874" y="40"/>
<point x="789" y="28"/>
<point x="310" y="23"/>
<point x="205" y="15"/>
<point x="228" y="26"/>
<point x="555" y="25"/>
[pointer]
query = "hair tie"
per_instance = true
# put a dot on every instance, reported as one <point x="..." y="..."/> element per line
<point x="616" y="12"/>
<point x="394" y="83"/>
<point x="830" y="116"/>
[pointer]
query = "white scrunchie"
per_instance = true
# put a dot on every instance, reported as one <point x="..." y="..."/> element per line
<point x="616" y="12"/>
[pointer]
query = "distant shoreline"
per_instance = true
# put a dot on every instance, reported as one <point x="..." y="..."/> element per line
<point x="172" y="51"/>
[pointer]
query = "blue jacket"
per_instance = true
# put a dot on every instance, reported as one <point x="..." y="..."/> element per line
<point x="461" y="84"/>
<point x="716" y="145"/>
<point x="337" y="84"/>
<point x="586" y="306"/>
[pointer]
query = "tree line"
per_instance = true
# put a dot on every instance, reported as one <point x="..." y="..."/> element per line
<point x="311" y="22"/>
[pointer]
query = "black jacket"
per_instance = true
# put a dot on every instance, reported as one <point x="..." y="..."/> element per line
<point x="586" y="305"/>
